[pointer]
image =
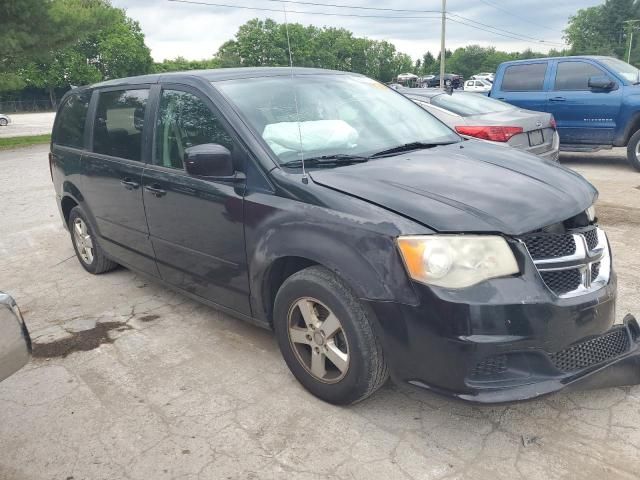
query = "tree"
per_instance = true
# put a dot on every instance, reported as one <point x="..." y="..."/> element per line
<point x="30" y="30"/>
<point x="600" y="30"/>
<point x="116" y="50"/>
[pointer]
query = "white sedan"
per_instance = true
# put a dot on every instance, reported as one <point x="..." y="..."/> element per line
<point x="481" y="86"/>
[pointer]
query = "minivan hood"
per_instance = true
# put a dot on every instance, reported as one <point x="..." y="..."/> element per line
<point x="471" y="186"/>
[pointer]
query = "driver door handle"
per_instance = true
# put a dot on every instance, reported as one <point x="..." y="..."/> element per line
<point x="155" y="190"/>
<point x="557" y="99"/>
<point x="129" y="184"/>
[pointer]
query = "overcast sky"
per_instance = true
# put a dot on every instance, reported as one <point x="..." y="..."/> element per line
<point x="196" y="31"/>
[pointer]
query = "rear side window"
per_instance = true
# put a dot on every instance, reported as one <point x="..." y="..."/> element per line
<point x="524" y="78"/>
<point x="119" y="122"/>
<point x="69" y="129"/>
<point x="575" y="75"/>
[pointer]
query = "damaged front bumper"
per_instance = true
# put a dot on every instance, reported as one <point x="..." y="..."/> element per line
<point x="619" y="349"/>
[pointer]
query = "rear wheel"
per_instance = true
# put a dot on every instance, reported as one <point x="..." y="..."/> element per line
<point x="4" y="122"/>
<point x="633" y="150"/>
<point x="326" y="337"/>
<point x="91" y="256"/>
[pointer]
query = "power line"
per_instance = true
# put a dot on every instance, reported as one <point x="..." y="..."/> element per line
<point x="464" y="20"/>
<point x="507" y="35"/>
<point x="355" y="7"/>
<point x="333" y="5"/>
<point x="498" y="7"/>
<point x="264" y="9"/>
<point x="502" y="33"/>
<point x="383" y="9"/>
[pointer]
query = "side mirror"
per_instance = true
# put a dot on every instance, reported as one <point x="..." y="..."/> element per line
<point x="208" y="160"/>
<point x="15" y="343"/>
<point x="601" y="82"/>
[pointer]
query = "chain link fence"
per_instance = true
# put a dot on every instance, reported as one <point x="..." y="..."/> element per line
<point x="19" y="106"/>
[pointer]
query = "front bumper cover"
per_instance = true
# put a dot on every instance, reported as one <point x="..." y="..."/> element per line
<point x="622" y="370"/>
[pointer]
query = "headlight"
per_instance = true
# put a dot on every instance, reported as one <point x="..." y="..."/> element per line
<point x="456" y="261"/>
<point x="591" y="213"/>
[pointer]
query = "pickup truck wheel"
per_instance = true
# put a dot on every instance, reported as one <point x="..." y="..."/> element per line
<point x="88" y="251"/>
<point x="326" y="337"/>
<point x="633" y="150"/>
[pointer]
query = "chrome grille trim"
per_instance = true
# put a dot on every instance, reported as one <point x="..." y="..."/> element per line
<point x="582" y="260"/>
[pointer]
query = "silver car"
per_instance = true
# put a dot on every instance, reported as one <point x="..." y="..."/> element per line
<point x="15" y="343"/>
<point x="478" y="116"/>
<point x="4" y="120"/>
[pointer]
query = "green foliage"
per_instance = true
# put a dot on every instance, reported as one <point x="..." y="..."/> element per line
<point x="30" y="30"/>
<point x="602" y="30"/>
<point x="264" y="43"/>
<point x="180" y="64"/>
<point x="115" y="50"/>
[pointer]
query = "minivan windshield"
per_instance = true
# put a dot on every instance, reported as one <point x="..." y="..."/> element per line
<point x="465" y="104"/>
<point x="629" y="72"/>
<point x="335" y="115"/>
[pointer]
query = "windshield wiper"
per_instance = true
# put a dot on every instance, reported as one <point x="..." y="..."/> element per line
<point x="327" y="160"/>
<point x="407" y="147"/>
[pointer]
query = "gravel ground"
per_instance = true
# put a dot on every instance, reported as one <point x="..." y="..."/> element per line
<point x="132" y="381"/>
<point x="28" y="124"/>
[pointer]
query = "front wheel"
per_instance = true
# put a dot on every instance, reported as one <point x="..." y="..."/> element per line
<point x="4" y="122"/>
<point x="633" y="150"/>
<point x="326" y="337"/>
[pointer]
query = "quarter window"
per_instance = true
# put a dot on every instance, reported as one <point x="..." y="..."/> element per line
<point x="575" y="75"/>
<point x="69" y="129"/>
<point x="528" y="77"/>
<point x="184" y="121"/>
<point x="119" y="123"/>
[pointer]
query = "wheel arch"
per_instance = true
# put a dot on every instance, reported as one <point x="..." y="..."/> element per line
<point x="370" y="265"/>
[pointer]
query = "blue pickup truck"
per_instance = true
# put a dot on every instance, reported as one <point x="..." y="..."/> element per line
<point x="595" y="100"/>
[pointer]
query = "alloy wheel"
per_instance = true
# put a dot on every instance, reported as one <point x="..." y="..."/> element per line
<point x="318" y="340"/>
<point x="83" y="241"/>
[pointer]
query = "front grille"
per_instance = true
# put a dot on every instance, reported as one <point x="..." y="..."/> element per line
<point x="562" y="281"/>
<point x="490" y="367"/>
<point x="591" y="236"/>
<point x="550" y="246"/>
<point x="591" y="352"/>
<point x="595" y="270"/>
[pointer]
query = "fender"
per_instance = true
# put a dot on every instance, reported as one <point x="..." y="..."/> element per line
<point x="362" y="252"/>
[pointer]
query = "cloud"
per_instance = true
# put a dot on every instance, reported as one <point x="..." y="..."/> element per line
<point x="196" y="31"/>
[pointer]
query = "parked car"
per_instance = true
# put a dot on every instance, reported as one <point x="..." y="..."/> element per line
<point x="15" y="343"/>
<point x="473" y="115"/>
<point x="490" y="77"/>
<point x="4" y="120"/>
<point x="595" y="100"/>
<point x="481" y="86"/>
<point x="364" y="231"/>
<point x="450" y="80"/>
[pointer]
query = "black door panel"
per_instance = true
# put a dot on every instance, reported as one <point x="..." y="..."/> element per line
<point x="198" y="235"/>
<point x="113" y="176"/>
<point x="196" y="225"/>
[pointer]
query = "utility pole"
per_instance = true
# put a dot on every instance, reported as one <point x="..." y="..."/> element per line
<point x="442" y="47"/>
<point x="630" y="27"/>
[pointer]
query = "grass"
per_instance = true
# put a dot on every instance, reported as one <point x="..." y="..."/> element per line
<point x="13" y="142"/>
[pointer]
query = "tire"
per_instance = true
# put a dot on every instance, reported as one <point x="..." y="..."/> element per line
<point x="633" y="150"/>
<point x="83" y="237"/>
<point x="3" y="122"/>
<point x="328" y="298"/>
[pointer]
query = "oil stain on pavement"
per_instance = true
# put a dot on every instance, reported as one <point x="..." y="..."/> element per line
<point x="82" y="341"/>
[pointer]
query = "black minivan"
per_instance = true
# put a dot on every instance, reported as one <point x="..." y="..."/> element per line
<point x="366" y="233"/>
